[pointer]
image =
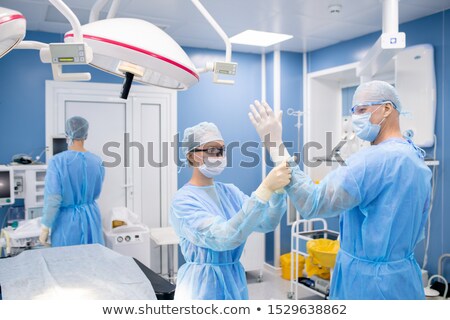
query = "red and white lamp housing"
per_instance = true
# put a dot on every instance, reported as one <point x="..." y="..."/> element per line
<point x="12" y="29"/>
<point x="124" y="46"/>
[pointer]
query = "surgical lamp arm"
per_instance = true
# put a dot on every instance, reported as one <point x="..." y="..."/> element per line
<point x="74" y="22"/>
<point x="386" y="47"/>
<point x="216" y="27"/>
<point x="95" y="11"/>
<point x="45" y="50"/>
<point x="45" y="56"/>
<point x="113" y="9"/>
<point x="34" y="45"/>
<point x="226" y="67"/>
<point x="45" y="53"/>
<point x="99" y="5"/>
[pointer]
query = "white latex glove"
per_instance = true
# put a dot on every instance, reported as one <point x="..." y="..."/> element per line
<point x="279" y="177"/>
<point x="44" y="236"/>
<point x="268" y="125"/>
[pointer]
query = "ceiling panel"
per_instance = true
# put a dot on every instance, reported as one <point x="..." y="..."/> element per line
<point x="309" y="21"/>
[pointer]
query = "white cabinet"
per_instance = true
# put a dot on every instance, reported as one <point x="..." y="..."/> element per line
<point x="30" y="180"/>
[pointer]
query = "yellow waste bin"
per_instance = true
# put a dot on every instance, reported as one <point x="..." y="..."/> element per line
<point x="285" y="263"/>
<point x="322" y="257"/>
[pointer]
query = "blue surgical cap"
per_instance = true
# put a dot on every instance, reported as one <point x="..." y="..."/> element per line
<point x="198" y="135"/>
<point x="77" y="128"/>
<point x="375" y="91"/>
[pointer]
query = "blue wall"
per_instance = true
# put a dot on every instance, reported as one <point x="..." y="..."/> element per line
<point x="431" y="30"/>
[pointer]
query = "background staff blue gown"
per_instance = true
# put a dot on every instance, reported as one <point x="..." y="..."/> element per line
<point x="72" y="184"/>
<point x="213" y="223"/>
<point x="383" y="196"/>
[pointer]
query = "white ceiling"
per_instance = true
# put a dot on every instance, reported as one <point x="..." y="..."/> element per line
<point x="309" y="21"/>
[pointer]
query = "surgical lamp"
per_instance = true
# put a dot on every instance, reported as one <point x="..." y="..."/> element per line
<point x="134" y="48"/>
<point x="130" y="48"/>
<point x="12" y="29"/>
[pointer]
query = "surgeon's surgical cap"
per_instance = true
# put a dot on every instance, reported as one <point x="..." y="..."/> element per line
<point x="77" y="128"/>
<point x="375" y="91"/>
<point x="198" y="135"/>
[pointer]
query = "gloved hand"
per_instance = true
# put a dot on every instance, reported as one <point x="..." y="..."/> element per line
<point x="44" y="236"/>
<point x="279" y="177"/>
<point x="269" y="128"/>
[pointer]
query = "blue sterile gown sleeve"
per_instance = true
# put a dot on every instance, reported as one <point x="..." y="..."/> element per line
<point x="382" y="195"/>
<point x="73" y="183"/>
<point x="213" y="223"/>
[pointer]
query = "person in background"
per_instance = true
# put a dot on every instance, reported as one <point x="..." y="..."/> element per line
<point x="382" y="195"/>
<point x="73" y="183"/>
<point x="214" y="219"/>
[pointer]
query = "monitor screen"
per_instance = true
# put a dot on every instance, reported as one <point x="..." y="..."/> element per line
<point x="5" y="183"/>
<point x="59" y="145"/>
<point x="6" y="187"/>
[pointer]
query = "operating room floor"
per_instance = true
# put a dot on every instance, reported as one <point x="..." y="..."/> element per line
<point x="273" y="287"/>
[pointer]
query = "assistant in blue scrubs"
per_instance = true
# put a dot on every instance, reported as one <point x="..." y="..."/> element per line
<point x="214" y="219"/>
<point x="73" y="183"/>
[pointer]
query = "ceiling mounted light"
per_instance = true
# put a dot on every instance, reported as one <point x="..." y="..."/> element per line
<point x="12" y="29"/>
<point x="259" y="38"/>
<point x="136" y="48"/>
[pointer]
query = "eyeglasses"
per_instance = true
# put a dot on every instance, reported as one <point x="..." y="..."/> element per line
<point x="212" y="151"/>
<point x="365" y="107"/>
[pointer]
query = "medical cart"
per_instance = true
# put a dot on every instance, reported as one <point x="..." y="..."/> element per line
<point x="299" y="237"/>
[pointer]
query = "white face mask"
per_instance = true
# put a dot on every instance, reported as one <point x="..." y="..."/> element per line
<point x="213" y="166"/>
<point x="365" y="129"/>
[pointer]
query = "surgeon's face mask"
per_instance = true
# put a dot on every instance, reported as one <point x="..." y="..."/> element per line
<point x="213" y="166"/>
<point x="365" y="129"/>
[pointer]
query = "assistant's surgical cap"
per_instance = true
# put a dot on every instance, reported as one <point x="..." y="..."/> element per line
<point x="198" y="135"/>
<point x="375" y="91"/>
<point x="77" y="128"/>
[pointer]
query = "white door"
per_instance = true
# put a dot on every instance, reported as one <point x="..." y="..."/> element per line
<point x="151" y="171"/>
<point x="102" y="131"/>
<point x="138" y="131"/>
<point x="147" y="174"/>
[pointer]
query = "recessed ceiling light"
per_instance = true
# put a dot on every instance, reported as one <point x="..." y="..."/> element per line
<point x="259" y="38"/>
<point x="334" y="9"/>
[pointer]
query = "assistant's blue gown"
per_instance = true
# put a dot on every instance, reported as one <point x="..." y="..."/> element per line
<point x="72" y="184"/>
<point x="213" y="223"/>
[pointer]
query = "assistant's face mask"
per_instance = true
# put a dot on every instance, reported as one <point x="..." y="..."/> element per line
<point x="365" y="129"/>
<point x="213" y="166"/>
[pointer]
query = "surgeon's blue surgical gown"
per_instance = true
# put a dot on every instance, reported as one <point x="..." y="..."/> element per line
<point x="383" y="196"/>
<point x="213" y="223"/>
<point x="72" y="184"/>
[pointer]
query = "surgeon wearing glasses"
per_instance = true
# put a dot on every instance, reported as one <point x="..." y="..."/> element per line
<point x="214" y="219"/>
<point x="382" y="195"/>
